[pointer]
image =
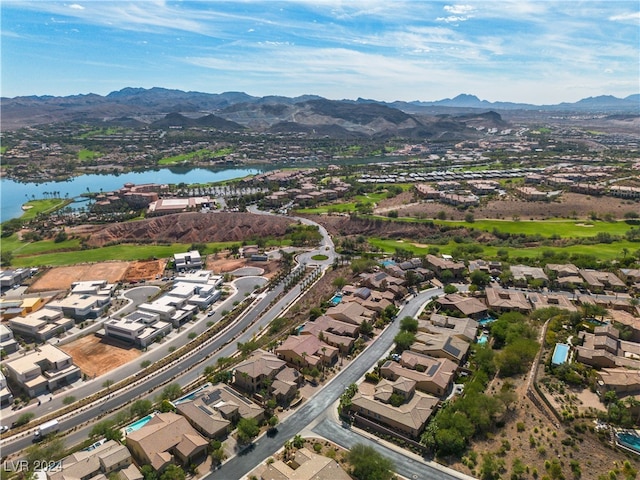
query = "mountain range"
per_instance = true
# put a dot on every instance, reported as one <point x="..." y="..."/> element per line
<point x="310" y="114"/>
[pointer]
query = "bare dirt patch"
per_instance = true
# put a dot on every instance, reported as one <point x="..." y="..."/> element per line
<point x="221" y="264"/>
<point x="61" y="278"/>
<point x="96" y="356"/>
<point x="145" y="270"/>
<point x="568" y="205"/>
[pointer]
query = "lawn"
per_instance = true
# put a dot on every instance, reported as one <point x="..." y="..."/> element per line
<point x="547" y="228"/>
<point x="603" y="251"/>
<point x="85" y="154"/>
<point x="367" y="199"/>
<point x="204" y="152"/>
<point x="69" y="252"/>
<point x="119" y="252"/>
<point x="43" y="206"/>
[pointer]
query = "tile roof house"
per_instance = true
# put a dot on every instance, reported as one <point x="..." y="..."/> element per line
<point x="523" y="274"/>
<point x="598" y="281"/>
<point x="604" y="349"/>
<point x="468" y="306"/>
<point x="441" y="346"/>
<point x="350" y="312"/>
<point x="500" y="300"/>
<point x="334" y="332"/>
<point x="215" y="410"/>
<point x="264" y="370"/>
<point x="165" y="437"/>
<point x="464" y="328"/>
<point x="306" y="465"/>
<point x="307" y="351"/>
<point x="409" y="419"/>
<point x="566" y="274"/>
<point x="439" y="265"/>
<point x="431" y="375"/>
<point x="98" y="463"/>
<point x="540" y="300"/>
<point x="623" y="381"/>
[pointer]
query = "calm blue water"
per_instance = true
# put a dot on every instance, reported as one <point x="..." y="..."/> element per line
<point x="138" y="424"/>
<point x="629" y="440"/>
<point x="336" y="299"/>
<point x="483" y="339"/>
<point x="191" y="396"/>
<point x="14" y="194"/>
<point x="560" y="354"/>
<point x="486" y="321"/>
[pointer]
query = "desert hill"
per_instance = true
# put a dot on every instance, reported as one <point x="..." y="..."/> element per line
<point x="193" y="227"/>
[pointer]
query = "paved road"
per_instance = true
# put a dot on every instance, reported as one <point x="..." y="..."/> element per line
<point x="243" y="285"/>
<point x="264" y="447"/>
<point x="181" y="371"/>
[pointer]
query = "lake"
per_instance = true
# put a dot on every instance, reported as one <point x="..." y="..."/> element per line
<point x="14" y="194"/>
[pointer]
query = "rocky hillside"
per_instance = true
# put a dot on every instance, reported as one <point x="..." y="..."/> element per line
<point x="192" y="228"/>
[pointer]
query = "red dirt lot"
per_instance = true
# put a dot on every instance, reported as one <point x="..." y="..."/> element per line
<point x="96" y="356"/>
<point x="145" y="270"/>
<point x="61" y="278"/>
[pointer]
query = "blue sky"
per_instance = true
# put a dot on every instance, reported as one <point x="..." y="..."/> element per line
<point x="538" y="51"/>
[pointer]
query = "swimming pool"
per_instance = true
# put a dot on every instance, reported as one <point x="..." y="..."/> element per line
<point x="486" y="321"/>
<point x="482" y="339"/>
<point x="336" y="299"/>
<point x="137" y="425"/>
<point x="191" y="395"/>
<point x="560" y="354"/>
<point x="629" y="440"/>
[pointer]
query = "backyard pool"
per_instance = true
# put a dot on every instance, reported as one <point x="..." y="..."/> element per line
<point x="560" y="354"/>
<point x="137" y="425"/>
<point x="336" y="299"/>
<point x="629" y="440"/>
<point x="482" y="339"/>
<point x="191" y="396"/>
<point x="486" y="321"/>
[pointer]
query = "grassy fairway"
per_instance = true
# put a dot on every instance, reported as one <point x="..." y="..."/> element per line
<point x="69" y="252"/>
<point x="87" y="155"/>
<point x="547" y="228"/>
<point x="602" y="251"/>
<point x="119" y="252"/>
<point x="194" y="155"/>
<point x="43" y="206"/>
<point x="368" y="199"/>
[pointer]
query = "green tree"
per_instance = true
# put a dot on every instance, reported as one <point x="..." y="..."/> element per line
<point x="339" y="283"/>
<point x="404" y="340"/>
<point x="45" y="452"/>
<point x="368" y="464"/>
<point x="449" y="289"/>
<point x="173" y="472"/>
<point x="24" y="419"/>
<point x="247" y="429"/>
<point x="409" y="324"/>
<point x="148" y="472"/>
<point x="171" y="392"/>
<point x="140" y="408"/>
<point x="366" y="328"/>
<point x="480" y="279"/>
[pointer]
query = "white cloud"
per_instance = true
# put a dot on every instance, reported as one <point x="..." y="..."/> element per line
<point x="631" y="17"/>
<point x="75" y="6"/>
<point x="459" y="9"/>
